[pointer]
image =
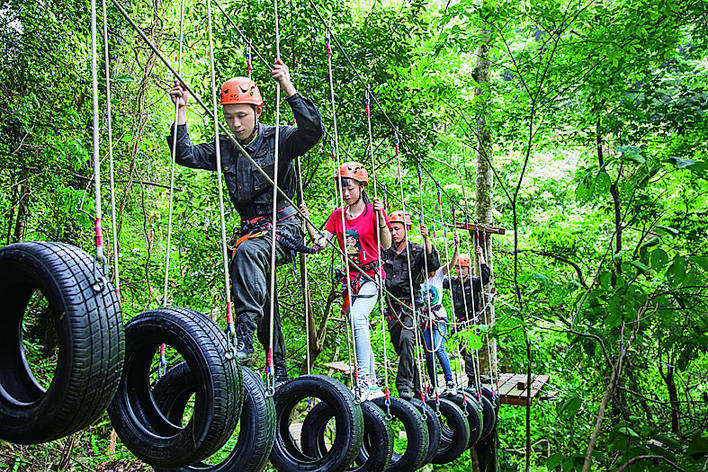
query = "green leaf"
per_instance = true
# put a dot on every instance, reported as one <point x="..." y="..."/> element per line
<point x="682" y="163"/>
<point x="570" y="406"/>
<point x="668" y="229"/>
<point x="677" y="270"/>
<point x="627" y="431"/>
<point x="602" y="183"/>
<point x="640" y="266"/>
<point x="631" y="153"/>
<point x="554" y="460"/>
<point x="658" y="259"/>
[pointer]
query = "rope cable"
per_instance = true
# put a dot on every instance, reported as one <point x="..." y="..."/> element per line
<point x="217" y="138"/>
<point x="270" y="375"/>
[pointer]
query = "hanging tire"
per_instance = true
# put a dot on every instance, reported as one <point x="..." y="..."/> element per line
<point x="471" y="406"/>
<point x="286" y="456"/>
<point x="90" y="342"/>
<point x="142" y="427"/>
<point x="489" y="417"/>
<point x="454" y="432"/>
<point x="416" y="433"/>
<point x="434" y="428"/>
<point x="257" y="423"/>
<point x="377" y="447"/>
<point x="496" y="401"/>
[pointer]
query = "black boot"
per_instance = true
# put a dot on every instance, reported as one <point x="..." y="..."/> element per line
<point x="244" y="348"/>
<point x="281" y="372"/>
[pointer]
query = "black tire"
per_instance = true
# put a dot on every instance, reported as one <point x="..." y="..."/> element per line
<point x="434" y="429"/>
<point x="496" y="401"/>
<point x="217" y="402"/>
<point x="471" y="406"/>
<point x="257" y="423"/>
<point x="489" y="417"/>
<point x="91" y="342"/>
<point x="286" y="456"/>
<point x="455" y="432"/>
<point x="377" y="447"/>
<point x="416" y="433"/>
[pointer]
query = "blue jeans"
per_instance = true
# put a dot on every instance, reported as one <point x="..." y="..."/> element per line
<point x="362" y="305"/>
<point x="438" y="345"/>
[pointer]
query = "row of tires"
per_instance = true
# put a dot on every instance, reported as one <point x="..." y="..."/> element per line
<point x="207" y="413"/>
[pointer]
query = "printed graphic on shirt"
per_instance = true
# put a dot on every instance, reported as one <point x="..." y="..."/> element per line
<point x="431" y="292"/>
<point x="353" y="244"/>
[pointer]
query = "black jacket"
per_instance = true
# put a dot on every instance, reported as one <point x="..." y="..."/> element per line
<point x="396" y="268"/>
<point x="474" y="301"/>
<point x="250" y="193"/>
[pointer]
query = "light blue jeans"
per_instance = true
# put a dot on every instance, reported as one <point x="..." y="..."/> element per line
<point x="363" y="304"/>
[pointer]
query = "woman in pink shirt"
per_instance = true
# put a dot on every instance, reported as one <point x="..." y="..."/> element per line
<point x="359" y="228"/>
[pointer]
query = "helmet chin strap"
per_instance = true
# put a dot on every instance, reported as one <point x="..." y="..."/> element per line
<point x="253" y="135"/>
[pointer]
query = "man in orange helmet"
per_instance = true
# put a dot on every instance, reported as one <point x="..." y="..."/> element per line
<point x="399" y="281"/>
<point x="467" y="301"/>
<point x="252" y="195"/>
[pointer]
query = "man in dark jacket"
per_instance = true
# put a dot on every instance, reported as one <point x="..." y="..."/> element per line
<point x="466" y="293"/>
<point x="399" y="279"/>
<point x="252" y="195"/>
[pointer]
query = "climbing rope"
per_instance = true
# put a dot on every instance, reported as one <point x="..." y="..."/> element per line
<point x="346" y="260"/>
<point x="172" y="168"/>
<point x="114" y="230"/>
<point x="305" y="281"/>
<point x="382" y="303"/>
<point x="220" y="186"/>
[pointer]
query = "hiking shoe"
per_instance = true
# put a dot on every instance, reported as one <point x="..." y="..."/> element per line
<point x="375" y="392"/>
<point x="244" y="346"/>
<point x="450" y="388"/>
<point x="405" y="393"/>
<point x="281" y="373"/>
<point x="362" y="389"/>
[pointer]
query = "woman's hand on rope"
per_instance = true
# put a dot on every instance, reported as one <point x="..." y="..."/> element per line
<point x="281" y="74"/>
<point x="384" y="232"/>
<point x="180" y="97"/>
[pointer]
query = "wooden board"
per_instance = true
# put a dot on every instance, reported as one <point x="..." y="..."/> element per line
<point x="339" y="366"/>
<point x="513" y="389"/>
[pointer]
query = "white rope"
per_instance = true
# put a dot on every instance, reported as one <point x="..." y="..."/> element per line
<point x="270" y="378"/>
<point x="220" y="185"/>
<point x="172" y="168"/>
<point x="346" y="259"/>
<point x="305" y="282"/>
<point x="378" y="251"/>
<point x="114" y="229"/>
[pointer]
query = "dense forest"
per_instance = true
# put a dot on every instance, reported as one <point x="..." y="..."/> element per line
<point x="580" y="127"/>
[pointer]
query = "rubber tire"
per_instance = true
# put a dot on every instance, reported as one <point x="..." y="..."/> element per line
<point x="455" y="435"/>
<point x="91" y="343"/>
<point x="142" y="427"/>
<point x="349" y="419"/>
<point x="487" y="392"/>
<point x="471" y="406"/>
<point x="377" y="448"/>
<point x="434" y="429"/>
<point x="489" y="417"/>
<point x="416" y="433"/>
<point x="257" y="433"/>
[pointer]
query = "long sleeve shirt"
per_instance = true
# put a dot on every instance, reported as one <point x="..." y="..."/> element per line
<point x="396" y="268"/>
<point x="249" y="191"/>
<point x="472" y="295"/>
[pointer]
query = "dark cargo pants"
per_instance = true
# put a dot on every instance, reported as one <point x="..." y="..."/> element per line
<point x="250" y="277"/>
<point x="403" y="340"/>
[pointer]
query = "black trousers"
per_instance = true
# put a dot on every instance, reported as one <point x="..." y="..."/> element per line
<point x="250" y="277"/>
<point x="403" y="340"/>
<point x="470" y="367"/>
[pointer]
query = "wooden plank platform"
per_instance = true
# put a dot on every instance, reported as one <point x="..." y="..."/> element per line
<point x="474" y="227"/>
<point x="513" y="389"/>
<point x="339" y="366"/>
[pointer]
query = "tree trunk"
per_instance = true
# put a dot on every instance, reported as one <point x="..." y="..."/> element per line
<point x="22" y="209"/>
<point x="673" y="399"/>
<point x="484" y="193"/>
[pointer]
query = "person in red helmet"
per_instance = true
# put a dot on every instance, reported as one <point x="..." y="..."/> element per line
<point x="399" y="279"/>
<point x="252" y="195"/>
<point x="467" y="302"/>
<point x="359" y="231"/>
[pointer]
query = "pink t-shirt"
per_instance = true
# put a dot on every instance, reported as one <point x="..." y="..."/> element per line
<point x="361" y="243"/>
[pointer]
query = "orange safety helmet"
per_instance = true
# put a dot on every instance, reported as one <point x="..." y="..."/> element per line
<point x="399" y="217"/>
<point x="241" y="90"/>
<point x="464" y="260"/>
<point x="353" y="170"/>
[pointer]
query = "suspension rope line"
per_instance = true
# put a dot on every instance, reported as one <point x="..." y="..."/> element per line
<point x="305" y="281"/>
<point x="114" y="229"/>
<point x="172" y="168"/>
<point x="217" y="138"/>
<point x="100" y="258"/>
<point x="382" y="303"/>
<point x="270" y="374"/>
<point x="336" y="164"/>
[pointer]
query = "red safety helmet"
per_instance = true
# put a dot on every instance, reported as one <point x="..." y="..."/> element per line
<point x="353" y="170"/>
<point x="399" y="217"/>
<point x="464" y="260"/>
<point x="241" y="90"/>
